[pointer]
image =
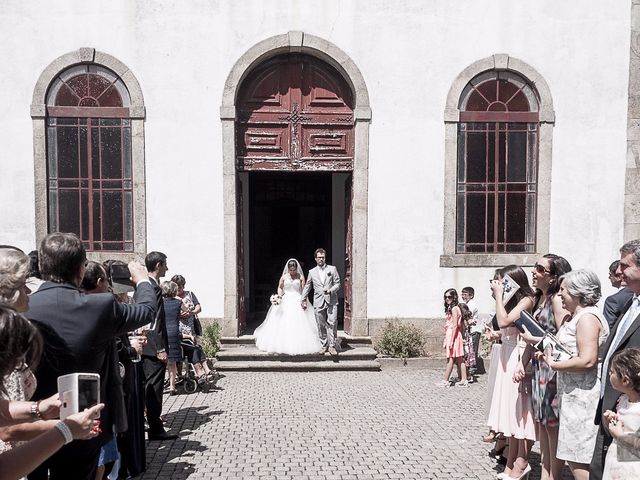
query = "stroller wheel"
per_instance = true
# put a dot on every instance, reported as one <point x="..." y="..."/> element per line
<point x="190" y="385"/>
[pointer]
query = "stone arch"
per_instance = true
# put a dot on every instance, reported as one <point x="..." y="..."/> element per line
<point x="297" y="42"/>
<point x="136" y="115"/>
<point x="499" y="62"/>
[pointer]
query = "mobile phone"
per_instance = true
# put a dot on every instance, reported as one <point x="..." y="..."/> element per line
<point x="78" y="391"/>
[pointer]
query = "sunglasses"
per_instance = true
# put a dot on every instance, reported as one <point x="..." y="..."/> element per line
<point x="540" y="269"/>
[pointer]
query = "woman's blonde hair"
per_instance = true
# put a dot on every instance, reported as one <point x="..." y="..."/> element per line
<point x="14" y="270"/>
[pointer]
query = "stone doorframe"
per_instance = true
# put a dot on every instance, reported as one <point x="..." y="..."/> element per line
<point x="297" y="42"/>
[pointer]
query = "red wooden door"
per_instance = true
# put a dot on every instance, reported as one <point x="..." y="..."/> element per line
<point x="295" y="112"/>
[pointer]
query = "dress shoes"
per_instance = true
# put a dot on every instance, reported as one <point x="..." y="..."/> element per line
<point x="333" y="351"/>
<point x="162" y="436"/>
<point x="323" y="350"/>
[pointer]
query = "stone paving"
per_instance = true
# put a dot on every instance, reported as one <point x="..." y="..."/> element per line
<point x="393" y="424"/>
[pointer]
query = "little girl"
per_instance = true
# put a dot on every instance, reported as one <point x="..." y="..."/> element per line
<point x="453" y="339"/>
<point x="623" y="456"/>
<point x="469" y="351"/>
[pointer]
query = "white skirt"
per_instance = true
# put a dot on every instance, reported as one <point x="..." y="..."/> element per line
<point x="288" y="328"/>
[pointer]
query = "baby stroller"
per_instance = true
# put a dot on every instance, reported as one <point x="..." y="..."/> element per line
<point x="190" y="380"/>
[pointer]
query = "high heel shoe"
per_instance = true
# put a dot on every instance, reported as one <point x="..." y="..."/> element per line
<point x="524" y="475"/>
<point x="497" y="452"/>
<point x="490" y="437"/>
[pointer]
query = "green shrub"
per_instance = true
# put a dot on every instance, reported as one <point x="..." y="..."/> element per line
<point x="210" y="340"/>
<point x="400" y="340"/>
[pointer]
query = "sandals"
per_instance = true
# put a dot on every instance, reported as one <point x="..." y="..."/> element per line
<point x="490" y="437"/>
<point x="463" y="383"/>
<point x="443" y="383"/>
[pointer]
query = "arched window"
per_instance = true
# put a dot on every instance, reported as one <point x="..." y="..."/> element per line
<point x="497" y="165"/>
<point x="89" y="161"/>
<point x="497" y="178"/>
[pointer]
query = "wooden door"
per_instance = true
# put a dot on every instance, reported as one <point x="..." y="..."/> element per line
<point x="295" y="112"/>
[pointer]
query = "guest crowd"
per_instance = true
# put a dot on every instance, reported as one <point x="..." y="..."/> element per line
<point x="570" y="381"/>
<point x="61" y="314"/>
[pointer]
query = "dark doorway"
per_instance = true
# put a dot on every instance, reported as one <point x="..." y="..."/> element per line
<point x="289" y="216"/>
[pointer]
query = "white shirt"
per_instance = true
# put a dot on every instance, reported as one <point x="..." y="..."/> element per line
<point x="323" y="275"/>
<point x="623" y="326"/>
<point x="473" y="308"/>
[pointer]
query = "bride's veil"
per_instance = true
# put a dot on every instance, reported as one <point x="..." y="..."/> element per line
<point x="298" y="268"/>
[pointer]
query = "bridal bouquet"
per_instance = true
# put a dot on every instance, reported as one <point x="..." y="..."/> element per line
<point x="275" y="299"/>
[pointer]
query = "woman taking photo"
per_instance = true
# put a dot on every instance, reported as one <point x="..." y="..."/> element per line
<point x="510" y="408"/>
<point x="583" y="334"/>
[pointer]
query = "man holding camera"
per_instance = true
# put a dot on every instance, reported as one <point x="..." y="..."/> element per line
<point x="78" y="332"/>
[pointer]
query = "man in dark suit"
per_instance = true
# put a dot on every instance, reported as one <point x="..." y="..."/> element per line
<point x="625" y="333"/>
<point x="78" y="332"/>
<point x="614" y="303"/>
<point x="154" y="354"/>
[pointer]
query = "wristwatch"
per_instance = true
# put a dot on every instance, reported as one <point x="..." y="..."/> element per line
<point x="35" y="411"/>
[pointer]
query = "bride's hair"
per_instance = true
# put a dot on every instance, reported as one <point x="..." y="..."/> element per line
<point x="292" y="262"/>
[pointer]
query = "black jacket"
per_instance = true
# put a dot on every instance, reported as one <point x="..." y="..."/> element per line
<point x="157" y="335"/>
<point x="79" y="332"/>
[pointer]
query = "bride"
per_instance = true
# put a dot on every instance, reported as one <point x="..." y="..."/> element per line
<point x="288" y="328"/>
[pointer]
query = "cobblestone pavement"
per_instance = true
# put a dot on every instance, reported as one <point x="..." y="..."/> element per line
<point x="327" y="426"/>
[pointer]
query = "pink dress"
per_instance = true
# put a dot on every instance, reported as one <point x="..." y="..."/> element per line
<point x="510" y="410"/>
<point x="452" y="331"/>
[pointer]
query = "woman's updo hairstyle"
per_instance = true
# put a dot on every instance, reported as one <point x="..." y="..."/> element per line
<point x="14" y="270"/>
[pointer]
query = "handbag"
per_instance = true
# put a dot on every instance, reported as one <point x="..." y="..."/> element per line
<point x="197" y="326"/>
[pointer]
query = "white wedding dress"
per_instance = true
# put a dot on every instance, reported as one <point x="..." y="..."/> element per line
<point x="288" y="328"/>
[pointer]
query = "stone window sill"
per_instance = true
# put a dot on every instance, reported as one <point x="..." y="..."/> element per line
<point x="488" y="260"/>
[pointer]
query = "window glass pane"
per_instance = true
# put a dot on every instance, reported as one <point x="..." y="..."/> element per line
<point x="69" y="211"/>
<point x="53" y="211"/>
<point x="110" y="98"/>
<point x="112" y="221"/>
<point x="126" y="152"/>
<point x="52" y="152"/>
<point x="66" y="97"/>
<point x="501" y="218"/>
<point x="476" y="218"/>
<point x="111" y="150"/>
<point x="67" y="139"/>
<point x="476" y="156"/>
<point x="502" y="156"/>
<point x="519" y="103"/>
<point x="97" y="215"/>
<point x="516" y="218"/>
<point x="128" y="216"/>
<point x="532" y="147"/>
<point x="97" y="86"/>
<point x="476" y="103"/>
<point x="84" y="166"/>
<point x="84" y="206"/>
<point x="506" y="90"/>
<point x="489" y="90"/>
<point x="517" y="166"/>
<point x="79" y="85"/>
<point x="95" y="152"/>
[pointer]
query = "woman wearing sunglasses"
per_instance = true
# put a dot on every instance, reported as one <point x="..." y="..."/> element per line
<point x="549" y="313"/>
<point x="453" y="339"/>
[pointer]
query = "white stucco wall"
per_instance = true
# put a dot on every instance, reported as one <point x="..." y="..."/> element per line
<point x="409" y="52"/>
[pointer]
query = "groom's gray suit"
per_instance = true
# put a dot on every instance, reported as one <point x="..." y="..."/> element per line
<point x="325" y="307"/>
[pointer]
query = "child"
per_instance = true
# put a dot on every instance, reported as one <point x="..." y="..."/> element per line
<point x="623" y="456"/>
<point x="469" y="351"/>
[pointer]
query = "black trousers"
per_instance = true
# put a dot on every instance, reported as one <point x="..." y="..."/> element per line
<point x="76" y="461"/>
<point x="596" y="469"/>
<point x="154" y="371"/>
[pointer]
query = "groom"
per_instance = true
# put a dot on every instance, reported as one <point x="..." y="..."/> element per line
<point x="326" y="283"/>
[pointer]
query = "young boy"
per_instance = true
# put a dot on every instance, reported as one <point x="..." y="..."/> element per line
<point x="476" y="327"/>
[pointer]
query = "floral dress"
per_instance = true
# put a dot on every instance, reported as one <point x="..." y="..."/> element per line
<point x="544" y="388"/>
<point x="20" y="385"/>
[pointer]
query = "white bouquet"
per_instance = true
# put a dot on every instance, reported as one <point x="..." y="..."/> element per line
<point x="275" y="299"/>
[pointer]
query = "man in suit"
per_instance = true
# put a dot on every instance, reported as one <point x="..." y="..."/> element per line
<point x="154" y="353"/>
<point x="78" y="332"/>
<point x="614" y="303"/>
<point x="625" y="333"/>
<point x="326" y="283"/>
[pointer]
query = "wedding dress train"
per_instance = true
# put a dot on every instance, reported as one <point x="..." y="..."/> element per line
<point x="288" y="328"/>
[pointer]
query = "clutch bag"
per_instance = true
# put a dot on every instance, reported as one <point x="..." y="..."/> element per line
<point x="526" y="320"/>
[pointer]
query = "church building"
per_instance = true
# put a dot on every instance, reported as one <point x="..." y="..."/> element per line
<point x="423" y="144"/>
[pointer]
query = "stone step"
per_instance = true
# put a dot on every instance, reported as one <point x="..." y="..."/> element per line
<point x="295" y="366"/>
<point x="345" y="340"/>
<point x="246" y="353"/>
